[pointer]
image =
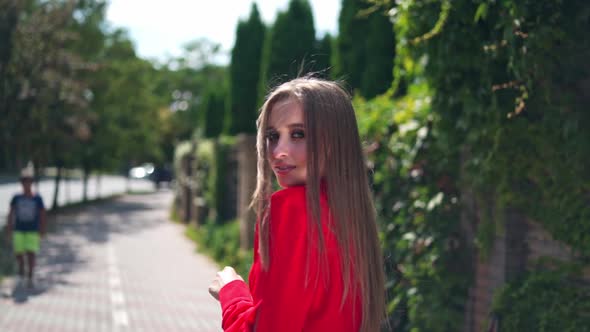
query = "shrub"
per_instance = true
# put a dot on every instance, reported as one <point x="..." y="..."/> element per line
<point x="222" y="243"/>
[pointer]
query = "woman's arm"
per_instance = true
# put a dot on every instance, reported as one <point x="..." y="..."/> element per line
<point x="237" y="307"/>
<point x="222" y="278"/>
<point x="285" y="290"/>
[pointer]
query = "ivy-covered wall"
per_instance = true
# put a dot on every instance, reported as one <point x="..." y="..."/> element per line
<point x="215" y="180"/>
<point x="207" y="180"/>
<point x="492" y="133"/>
<point x="481" y="140"/>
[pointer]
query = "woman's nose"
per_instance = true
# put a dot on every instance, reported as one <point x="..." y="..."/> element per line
<point x="281" y="149"/>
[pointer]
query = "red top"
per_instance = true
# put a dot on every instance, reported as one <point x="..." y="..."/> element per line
<point x="279" y="299"/>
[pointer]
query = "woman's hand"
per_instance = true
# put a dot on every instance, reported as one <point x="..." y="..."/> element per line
<point x="224" y="277"/>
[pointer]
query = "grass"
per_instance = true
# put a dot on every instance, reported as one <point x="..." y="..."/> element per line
<point x="174" y="214"/>
<point x="140" y="192"/>
<point x="222" y="243"/>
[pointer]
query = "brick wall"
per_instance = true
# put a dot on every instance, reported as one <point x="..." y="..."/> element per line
<point x="517" y="246"/>
<point x="540" y="243"/>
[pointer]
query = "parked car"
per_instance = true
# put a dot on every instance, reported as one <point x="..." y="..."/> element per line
<point x="142" y="172"/>
<point x="161" y="174"/>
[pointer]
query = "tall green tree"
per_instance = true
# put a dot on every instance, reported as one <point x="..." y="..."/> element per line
<point x="9" y="12"/>
<point x="89" y="44"/>
<point x="365" y="48"/>
<point x="244" y="75"/>
<point x="288" y="46"/>
<point x="349" y="57"/>
<point x="377" y="72"/>
<point x="323" y="55"/>
<point x="128" y="112"/>
<point x="213" y="110"/>
<point x="44" y="93"/>
<point x="41" y="93"/>
<point x="182" y="83"/>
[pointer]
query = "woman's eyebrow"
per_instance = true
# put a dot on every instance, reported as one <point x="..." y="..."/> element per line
<point x="292" y="125"/>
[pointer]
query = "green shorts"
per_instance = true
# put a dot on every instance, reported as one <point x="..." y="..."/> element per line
<point x="25" y="242"/>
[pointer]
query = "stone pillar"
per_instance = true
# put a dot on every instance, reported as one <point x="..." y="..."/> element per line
<point x="506" y="260"/>
<point x="187" y="192"/>
<point x="246" y="151"/>
<point x="468" y="224"/>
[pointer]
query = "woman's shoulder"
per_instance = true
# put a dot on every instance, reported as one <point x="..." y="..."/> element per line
<point x="290" y="195"/>
<point x="293" y="199"/>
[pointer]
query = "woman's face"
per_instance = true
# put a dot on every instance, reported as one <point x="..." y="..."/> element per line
<point x="285" y="139"/>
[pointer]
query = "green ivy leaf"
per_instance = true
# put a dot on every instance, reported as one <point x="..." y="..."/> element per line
<point x="481" y="12"/>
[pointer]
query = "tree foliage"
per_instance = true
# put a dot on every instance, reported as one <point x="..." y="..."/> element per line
<point x="349" y="56"/>
<point x="495" y="104"/>
<point x="43" y="97"/>
<point x="213" y="110"/>
<point x="288" y="45"/>
<point x="544" y="300"/>
<point x="365" y="48"/>
<point x="377" y="71"/>
<point x="321" y="59"/>
<point x="244" y="75"/>
<point x="127" y="127"/>
<point x="182" y="85"/>
<point x="74" y="93"/>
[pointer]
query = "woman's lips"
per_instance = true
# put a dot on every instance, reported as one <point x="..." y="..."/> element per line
<point x="282" y="170"/>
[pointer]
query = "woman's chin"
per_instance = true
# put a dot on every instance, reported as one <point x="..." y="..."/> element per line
<point x="289" y="184"/>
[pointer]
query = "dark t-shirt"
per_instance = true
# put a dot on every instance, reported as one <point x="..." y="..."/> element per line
<point x="27" y="212"/>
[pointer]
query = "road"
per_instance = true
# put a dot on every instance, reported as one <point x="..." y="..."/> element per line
<point x="118" y="265"/>
<point x="70" y="191"/>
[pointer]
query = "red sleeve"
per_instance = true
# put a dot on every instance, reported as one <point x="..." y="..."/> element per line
<point x="237" y="307"/>
<point x="285" y="297"/>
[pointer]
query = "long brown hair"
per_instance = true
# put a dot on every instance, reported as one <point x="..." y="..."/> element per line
<point x="333" y="144"/>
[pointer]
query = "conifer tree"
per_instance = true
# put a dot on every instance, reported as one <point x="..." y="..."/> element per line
<point x="377" y="73"/>
<point x="288" y="46"/>
<point x="365" y="48"/>
<point x="349" y="56"/>
<point x="244" y="74"/>
<point x="213" y="110"/>
<point x="322" y="56"/>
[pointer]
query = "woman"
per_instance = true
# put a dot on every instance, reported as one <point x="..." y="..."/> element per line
<point x="317" y="259"/>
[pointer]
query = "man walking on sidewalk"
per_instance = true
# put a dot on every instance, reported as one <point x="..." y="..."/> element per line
<point x="26" y="222"/>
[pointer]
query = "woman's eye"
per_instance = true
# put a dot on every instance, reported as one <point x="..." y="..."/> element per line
<point x="298" y="134"/>
<point x="272" y="137"/>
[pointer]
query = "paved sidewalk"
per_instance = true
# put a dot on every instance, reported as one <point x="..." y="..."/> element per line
<point x="118" y="266"/>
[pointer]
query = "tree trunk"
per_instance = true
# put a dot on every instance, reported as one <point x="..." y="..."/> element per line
<point x="128" y="183"/>
<point x="37" y="177"/>
<point x="55" y="204"/>
<point x="98" y="186"/>
<point x="67" y="182"/>
<point x="85" y="175"/>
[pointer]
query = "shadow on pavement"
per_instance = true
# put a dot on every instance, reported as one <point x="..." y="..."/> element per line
<point x="19" y="293"/>
<point x="75" y="229"/>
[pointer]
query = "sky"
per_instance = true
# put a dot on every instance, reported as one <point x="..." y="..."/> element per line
<point x="160" y="28"/>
